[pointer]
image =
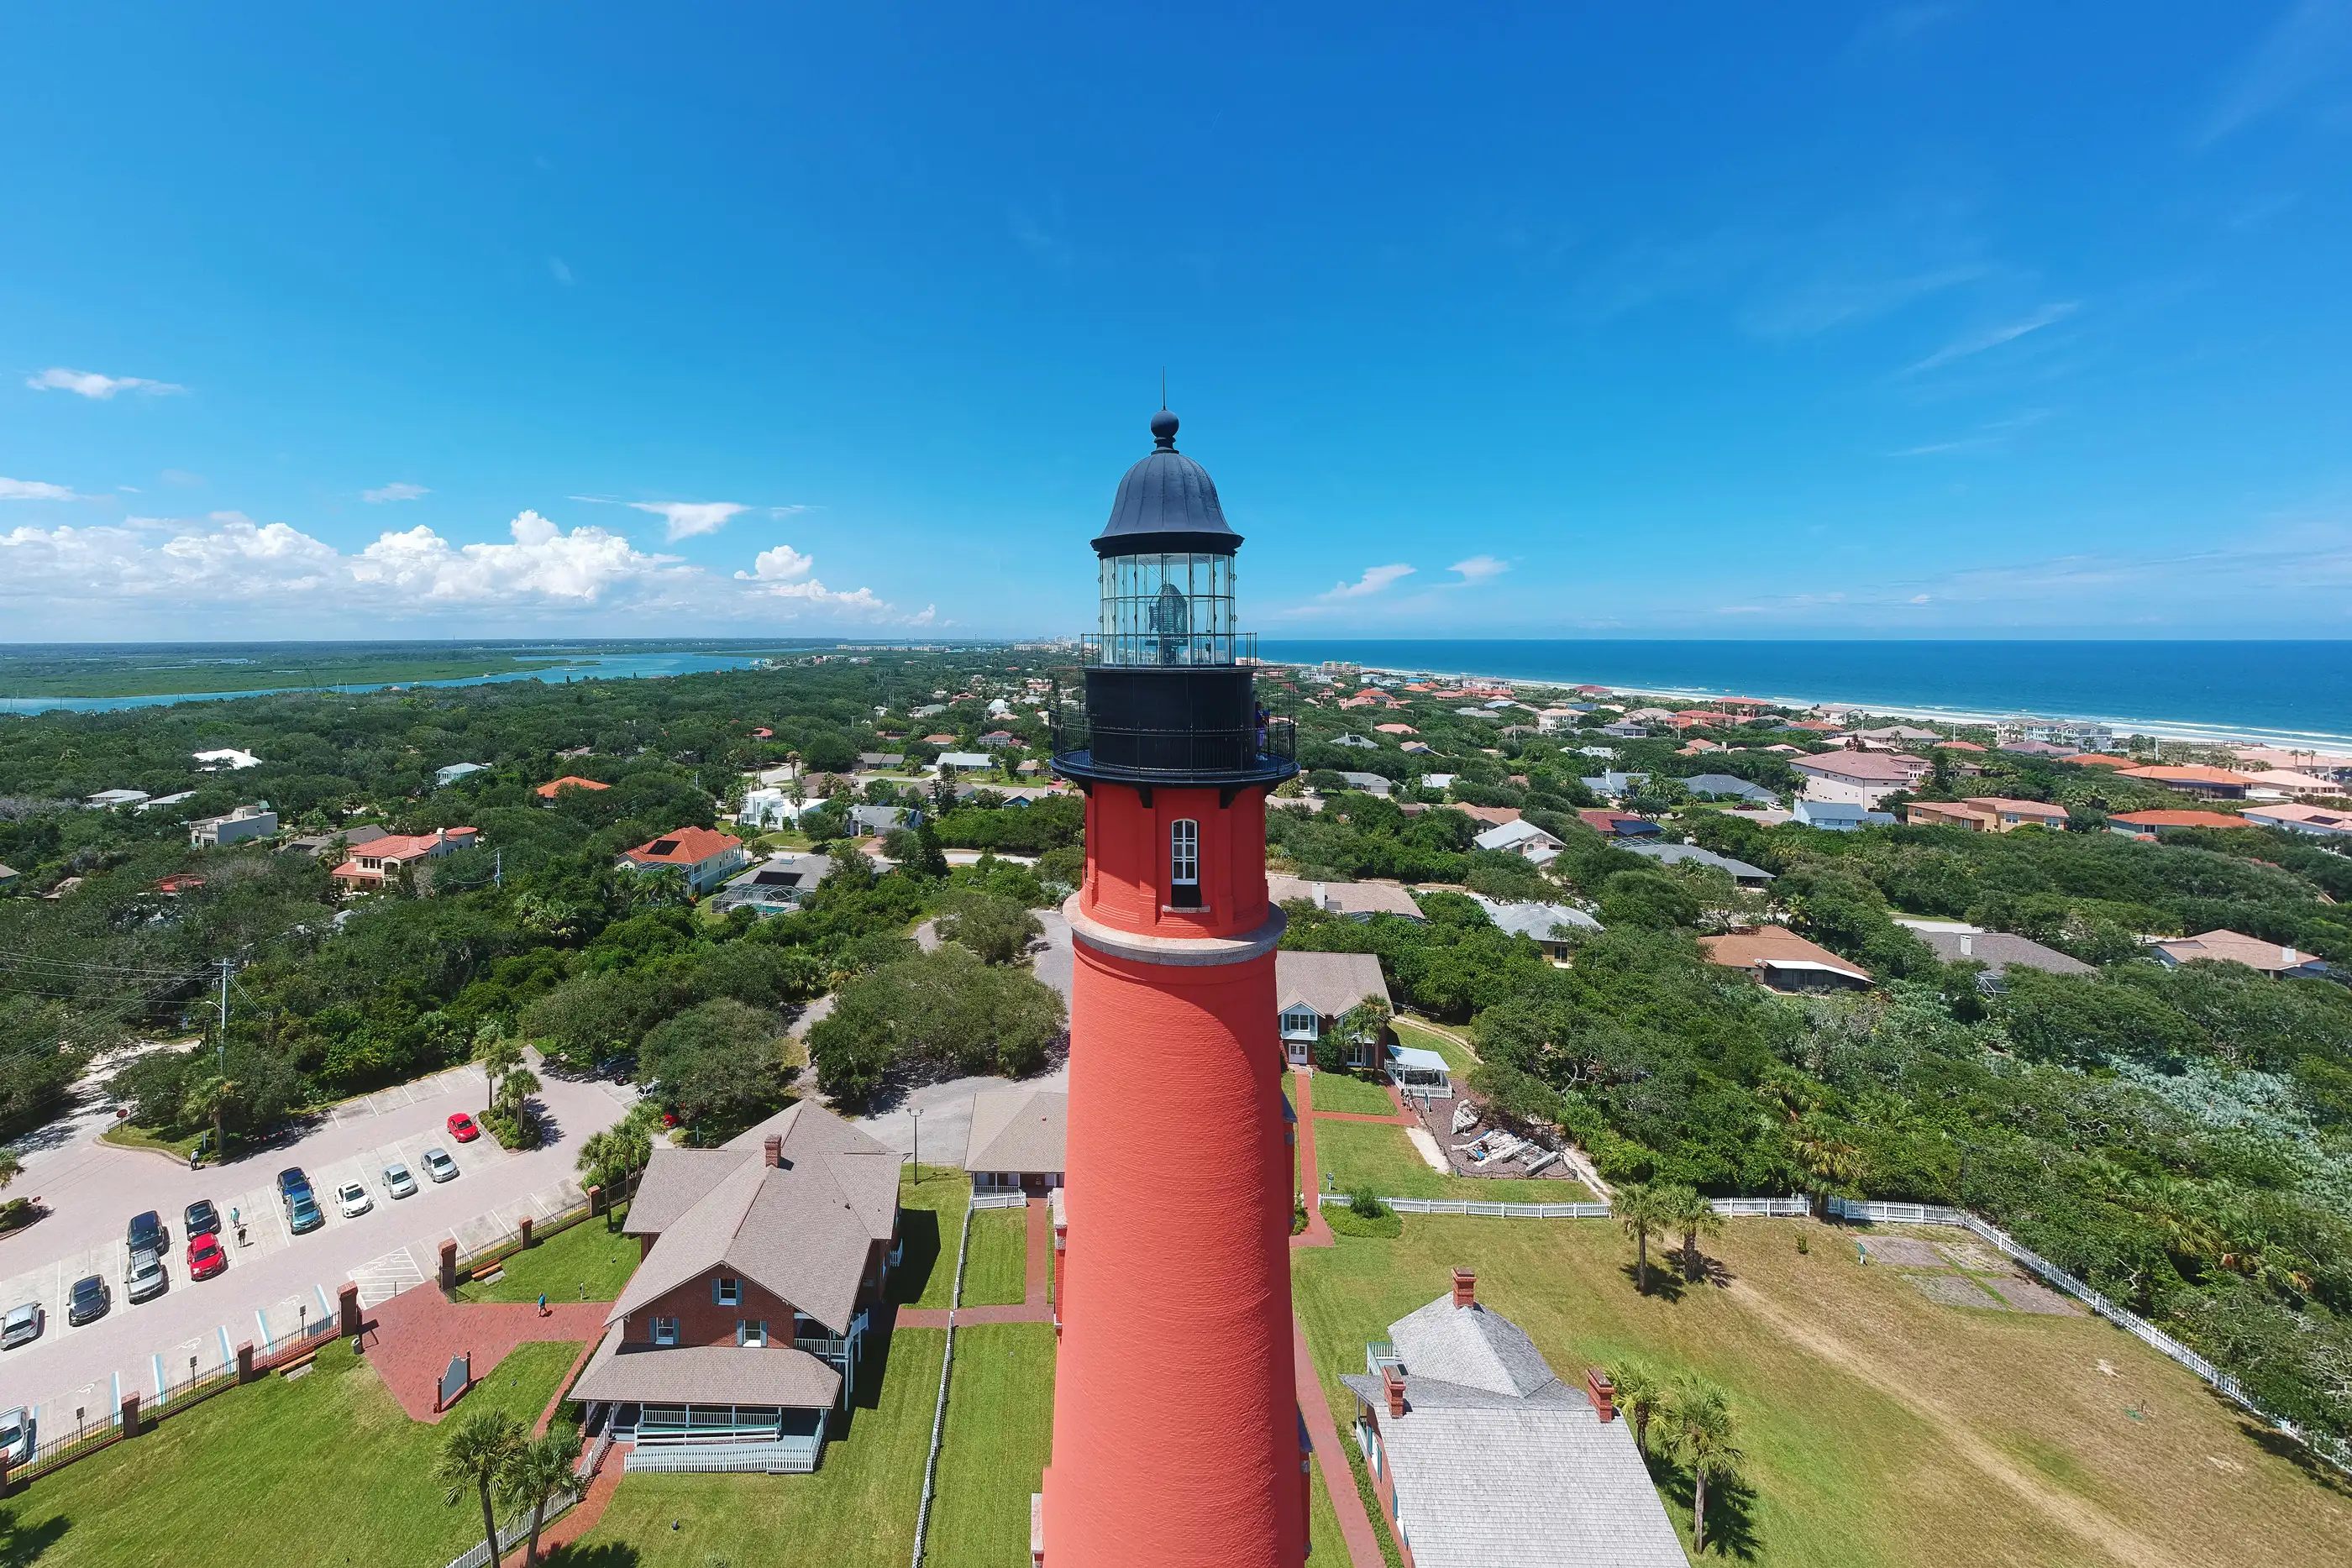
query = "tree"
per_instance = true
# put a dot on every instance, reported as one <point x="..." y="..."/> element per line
<point x="1706" y="1438"/>
<point x="474" y="1457"/>
<point x="997" y="929"/>
<point x="1640" y="1215"/>
<point x="721" y="1060"/>
<point x="1829" y="1161"/>
<point x="11" y="1166"/>
<point x="498" y="1056"/>
<point x="517" y="1087"/>
<point x="609" y="1158"/>
<point x="1686" y="1209"/>
<point x="532" y="1478"/>
<point x="207" y="1100"/>
<point x="1641" y="1395"/>
<point x="931" y="861"/>
<point x="1362" y="1024"/>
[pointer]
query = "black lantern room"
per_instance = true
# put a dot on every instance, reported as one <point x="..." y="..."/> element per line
<point x="1170" y="684"/>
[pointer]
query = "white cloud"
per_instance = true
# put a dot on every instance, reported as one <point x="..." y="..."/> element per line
<point x="1479" y="569"/>
<point x="1374" y="580"/>
<point x="90" y="383"/>
<point x="33" y="490"/>
<point x="781" y="564"/>
<point x="687" y="518"/>
<point x="783" y="572"/>
<point x="1993" y="337"/>
<point x="543" y="563"/>
<point x="398" y="490"/>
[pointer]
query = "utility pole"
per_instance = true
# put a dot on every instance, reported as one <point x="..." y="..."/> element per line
<point x="220" y="1048"/>
<point x="497" y="865"/>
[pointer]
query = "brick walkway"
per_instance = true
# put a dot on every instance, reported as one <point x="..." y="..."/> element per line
<point x="1310" y="1181"/>
<point x="585" y="1513"/>
<point x="1338" y="1481"/>
<point x="410" y="1338"/>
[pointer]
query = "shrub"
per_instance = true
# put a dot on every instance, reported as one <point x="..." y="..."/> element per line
<point x="1365" y="1204"/>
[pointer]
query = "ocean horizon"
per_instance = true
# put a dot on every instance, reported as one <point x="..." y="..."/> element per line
<point x="2294" y="694"/>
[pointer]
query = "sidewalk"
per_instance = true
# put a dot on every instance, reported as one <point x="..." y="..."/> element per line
<point x="1310" y="1180"/>
<point x="412" y="1337"/>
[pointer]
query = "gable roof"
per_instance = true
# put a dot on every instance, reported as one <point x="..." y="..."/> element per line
<point x="800" y="1228"/>
<point x="1329" y="983"/>
<point x="1864" y="767"/>
<point x="1018" y="1130"/>
<point x="2179" y="820"/>
<point x="1508" y="835"/>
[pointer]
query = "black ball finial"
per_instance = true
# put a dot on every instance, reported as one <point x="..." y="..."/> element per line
<point x="1163" y="430"/>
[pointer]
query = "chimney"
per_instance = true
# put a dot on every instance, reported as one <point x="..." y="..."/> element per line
<point x="1968" y="943"/>
<point x="1392" y="1382"/>
<point x="1466" y="1287"/>
<point x="773" y="1151"/>
<point x="1601" y="1392"/>
<point x="2286" y="956"/>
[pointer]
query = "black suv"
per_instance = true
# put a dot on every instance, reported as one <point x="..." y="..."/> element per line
<point x="148" y="1235"/>
<point x="203" y="1219"/>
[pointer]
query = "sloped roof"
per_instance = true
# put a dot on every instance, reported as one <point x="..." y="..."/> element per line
<point x="1769" y="946"/>
<point x="1996" y="950"/>
<point x="1727" y="784"/>
<point x="2237" y="947"/>
<point x="1472" y="1347"/>
<point x="547" y="791"/>
<point x="1507" y="835"/>
<point x="706" y="1374"/>
<point x="2179" y="819"/>
<point x="1329" y="983"/>
<point x="800" y="1228"/>
<point x="1343" y="897"/>
<point x="1680" y="854"/>
<point x="1018" y="1130"/>
<point x="1535" y="920"/>
<point x="686" y="846"/>
<point x="1865" y="767"/>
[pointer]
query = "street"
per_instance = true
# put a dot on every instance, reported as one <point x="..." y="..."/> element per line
<point x="276" y="1282"/>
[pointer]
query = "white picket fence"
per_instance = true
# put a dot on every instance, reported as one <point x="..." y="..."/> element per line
<point x="516" y="1531"/>
<point x="1000" y="1200"/>
<point x="2334" y="1450"/>
<point x="1754" y="1207"/>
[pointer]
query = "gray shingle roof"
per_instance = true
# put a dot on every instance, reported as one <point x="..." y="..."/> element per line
<point x="1344" y="897"/>
<point x="1996" y="950"/>
<point x="1727" y="784"/>
<point x="801" y="1230"/>
<point x="1330" y="983"/>
<point x="1510" y="835"/>
<point x="706" y="1374"/>
<point x="1018" y="1130"/>
<point x="1535" y="920"/>
<point x="1510" y="1466"/>
<point x="1680" y="854"/>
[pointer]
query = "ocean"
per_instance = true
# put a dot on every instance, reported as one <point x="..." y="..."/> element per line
<point x="2285" y="694"/>
<point x="598" y="667"/>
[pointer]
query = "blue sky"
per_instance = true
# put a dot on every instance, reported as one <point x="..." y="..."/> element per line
<point x="1704" y="320"/>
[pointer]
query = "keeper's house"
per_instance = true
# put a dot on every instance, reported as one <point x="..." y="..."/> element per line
<point x="740" y="1333"/>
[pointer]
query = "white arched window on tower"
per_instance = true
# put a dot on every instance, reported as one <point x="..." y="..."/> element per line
<point x="1184" y="864"/>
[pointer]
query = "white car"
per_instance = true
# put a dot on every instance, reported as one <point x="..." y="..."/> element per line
<point x="439" y="1165"/>
<point x="398" y="1182"/>
<point x="16" y="1437"/>
<point x="353" y="1199"/>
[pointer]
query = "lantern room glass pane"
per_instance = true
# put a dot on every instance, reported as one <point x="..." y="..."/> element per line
<point x="1168" y="610"/>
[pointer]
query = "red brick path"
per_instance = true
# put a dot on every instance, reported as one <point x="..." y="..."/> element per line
<point x="1339" y="1482"/>
<point x="412" y="1337"/>
<point x="1310" y="1180"/>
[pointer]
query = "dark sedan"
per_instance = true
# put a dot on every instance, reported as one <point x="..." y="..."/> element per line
<point x="89" y="1302"/>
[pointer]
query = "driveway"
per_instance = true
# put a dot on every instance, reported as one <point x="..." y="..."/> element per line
<point x="276" y="1282"/>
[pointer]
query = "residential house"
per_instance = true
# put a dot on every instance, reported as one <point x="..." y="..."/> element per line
<point x="2082" y="758"/>
<point x="1699" y="748"/>
<point x="2145" y="824"/>
<point x="881" y="760"/>
<point x="157" y="802"/>
<point x="1998" y="951"/>
<point x="227" y="757"/>
<point x="1395" y="729"/>
<point x="1438" y="780"/>
<point x="2280" y="783"/>
<point x="1727" y="787"/>
<point x="741" y="1331"/>
<point x="8" y="879"/>
<point x="1521" y="837"/>
<point x="954" y="762"/>
<point x="1369" y="783"/>
<point x="1017" y="1140"/>
<point x="778" y="884"/>
<point x="1356" y="742"/>
<point x="2206" y="783"/>
<point x="875" y="821"/>
<point x="1547" y="926"/>
<point x="1838" y="816"/>
<point x="1313" y="991"/>
<point x="2338" y="768"/>
<point x="2039" y="748"/>
<point x="704" y="855"/>
<point x="1898" y="734"/>
<point x="244" y="822"/>
<point x="339" y="840"/>
<point x="997" y="740"/>
<point x="1613" y="784"/>
<point x="939" y="740"/>
<point x="1740" y="872"/>
<point x="1985" y="814"/>
<point x="1417" y="749"/>
<point x="1492" y="816"/>
<point x="554" y="787"/>
<point x="1624" y="730"/>
<point x="1480" y="1455"/>
<point x="1617" y="824"/>
<point x="1358" y="901"/>
<point x="1780" y="960"/>
<point x="763" y="810"/>
<point x="106" y="798"/>
<point x="2276" y="959"/>
<point x="373" y="862"/>
<point x="1857" y="777"/>
<point x="444" y="776"/>
<point x="2324" y="821"/>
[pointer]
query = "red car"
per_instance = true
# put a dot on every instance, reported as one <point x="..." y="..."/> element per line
<point x="205" y="1258"/>
<point x="462" y="1128"/>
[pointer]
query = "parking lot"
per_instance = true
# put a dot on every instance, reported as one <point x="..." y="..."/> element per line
<point x="276" y="1282"/>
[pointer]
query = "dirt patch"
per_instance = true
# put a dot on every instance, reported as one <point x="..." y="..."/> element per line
<point x="1903" y="1251"/>
<point x="2033" y="1296"/>
<point x="1975" y="1256"/>
<point x="1947" y="1290"/>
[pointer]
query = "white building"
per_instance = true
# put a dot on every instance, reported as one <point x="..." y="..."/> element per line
<point x="1858" y="778"/>
<point x="245" y="823"/>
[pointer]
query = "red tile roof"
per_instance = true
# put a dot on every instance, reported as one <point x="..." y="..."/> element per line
<point x="547" y="791"/>
<point x="686" y="846"/>
<point x="2179" y="820"/>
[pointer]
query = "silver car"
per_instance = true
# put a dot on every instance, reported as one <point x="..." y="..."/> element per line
<point x="398" y="1182"/>
<point x="17" y="1437"/>
<point x="144" y="1279"/>
<point x="439" y="1165"/>
<point x="22" y="1326"/>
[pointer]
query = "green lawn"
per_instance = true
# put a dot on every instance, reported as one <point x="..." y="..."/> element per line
<point x="931" y="1218"/>
<point x="1362" y="1096"/>
<point x="1362" y="1152"/>
<point x="995" y="1267"/>
<point x="583" y="1262"/>
<point x="856" y="1511"/>
<point x="999" y="1432"/>
<point x="1879" y="1427"/>
<point x="1457" y="1060"/>
<point x="326" y="1468"/>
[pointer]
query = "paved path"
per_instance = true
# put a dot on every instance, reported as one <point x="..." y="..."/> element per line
<point x="1310" y="1180"/>
<point x="412" y="1337"/>
<point x="276" y="1282"/>
<point x="1338" y="1481"/>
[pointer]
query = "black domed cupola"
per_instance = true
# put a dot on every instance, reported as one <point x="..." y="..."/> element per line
<point x="1167" y="502"/>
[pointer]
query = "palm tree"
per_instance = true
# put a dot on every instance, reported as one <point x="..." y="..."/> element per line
<point x="474" y="1457"/>
<point x="517" y="1087"/>
<point x="1688" y="1210"/>
<point x="1640" y="1394"/>
<point x="1635" y="1205"/>
<point x="1706" y="1437"/>
<point x="537" y="1472"/>
<point x="1828" y="1160"/>
<point x="206" y="1100"/>
<point x="498" y="1056"/>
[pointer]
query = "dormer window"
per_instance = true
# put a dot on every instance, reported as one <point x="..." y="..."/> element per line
<point x="1184" y="864"/>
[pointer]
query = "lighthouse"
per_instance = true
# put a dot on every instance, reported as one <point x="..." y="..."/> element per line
<point x="1177" y="1437"/>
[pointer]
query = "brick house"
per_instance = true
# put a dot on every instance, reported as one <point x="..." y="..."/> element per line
<point x="1315" y="990"/>
<point x="1480" y="1455"/>
<point x="741" y="1331"/>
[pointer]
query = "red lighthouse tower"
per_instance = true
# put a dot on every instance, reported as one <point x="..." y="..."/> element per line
<point x="1177" y="1441"/>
